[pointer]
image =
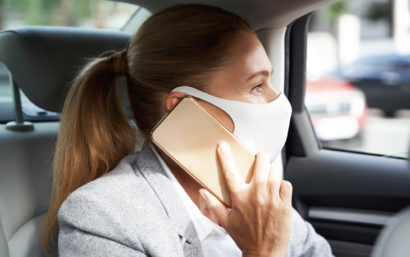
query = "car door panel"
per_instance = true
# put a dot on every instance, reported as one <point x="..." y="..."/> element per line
<point x="348" y="197"/>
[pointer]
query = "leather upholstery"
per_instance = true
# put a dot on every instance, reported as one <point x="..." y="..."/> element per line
<point x="25" y="183"/>
<point x="394" y="238"/>
<point x="44" y="60"/>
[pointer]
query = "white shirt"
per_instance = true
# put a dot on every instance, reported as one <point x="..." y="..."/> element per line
<point x="215" y="241"/>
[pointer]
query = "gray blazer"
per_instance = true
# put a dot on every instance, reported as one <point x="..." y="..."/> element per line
<point x="134" y="210"/>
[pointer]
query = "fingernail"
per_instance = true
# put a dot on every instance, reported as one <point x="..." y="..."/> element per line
<point x="203" y="194"/>
<point x="223" y="146"/>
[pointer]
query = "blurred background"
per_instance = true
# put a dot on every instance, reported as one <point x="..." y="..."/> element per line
<point x="358" y="76"/>
<point x="75" y="13"/>
<point x="358" y="65"/>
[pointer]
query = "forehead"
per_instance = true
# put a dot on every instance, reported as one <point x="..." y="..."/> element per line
<point x="249" y="55"/>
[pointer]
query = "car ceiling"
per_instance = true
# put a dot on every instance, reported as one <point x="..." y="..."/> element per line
<point x="260" y="13"/>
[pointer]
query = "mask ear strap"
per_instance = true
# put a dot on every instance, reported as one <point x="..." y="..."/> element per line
<point x="194" y="92"/>
<point x="216" y="101"/>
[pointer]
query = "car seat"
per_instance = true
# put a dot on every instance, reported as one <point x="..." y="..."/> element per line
<point x="394" y="240"/>
<point x="42" y="62"/>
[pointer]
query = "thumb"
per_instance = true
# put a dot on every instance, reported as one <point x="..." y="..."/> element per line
<point x="203" y="207"/>
<point x="215" y="207"/>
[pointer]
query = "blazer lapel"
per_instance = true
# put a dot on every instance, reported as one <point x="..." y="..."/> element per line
<point x="155" y="175"/>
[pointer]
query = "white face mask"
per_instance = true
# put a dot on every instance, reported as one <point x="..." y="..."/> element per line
<point x="260" y="127"/>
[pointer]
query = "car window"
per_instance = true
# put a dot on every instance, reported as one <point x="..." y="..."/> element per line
<point x="358" y="77"/>
<point x="100" y="14"/>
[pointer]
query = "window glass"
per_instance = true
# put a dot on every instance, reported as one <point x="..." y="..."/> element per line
<point x="73" y="13"/>
<point x="358" y="76"/>
<point x="101" y="14"/>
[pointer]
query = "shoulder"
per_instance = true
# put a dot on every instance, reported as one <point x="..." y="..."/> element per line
<point x="109" y="189"/>
<point x="119" y="205"/>
<point x="124" y="175"/>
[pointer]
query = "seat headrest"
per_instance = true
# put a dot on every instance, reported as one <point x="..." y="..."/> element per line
<point x="44" y="61"/>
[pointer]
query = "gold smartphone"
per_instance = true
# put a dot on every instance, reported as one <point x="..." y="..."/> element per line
<point x="189" y="135"/>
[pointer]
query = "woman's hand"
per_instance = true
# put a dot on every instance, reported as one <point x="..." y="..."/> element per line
<point x="260" y="218"/>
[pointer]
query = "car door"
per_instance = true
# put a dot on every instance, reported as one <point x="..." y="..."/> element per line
<point x="347" y="196"/>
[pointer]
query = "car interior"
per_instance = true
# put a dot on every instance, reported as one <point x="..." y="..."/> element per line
<point x="347" y="196"/>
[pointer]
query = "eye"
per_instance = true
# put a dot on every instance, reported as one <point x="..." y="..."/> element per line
<point x="257" y="89"/>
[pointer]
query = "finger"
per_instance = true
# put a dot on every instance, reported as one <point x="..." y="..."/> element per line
<point x="228" y="167"/>
<point x="274" y="182"/>
<point x="203" y="207"/>
<point x="275" y="175"/>
<point x="277" y="168"/>
<point x="261" y="170"/>
<point x="286" y="191"/>
<point x="216" y="208"/>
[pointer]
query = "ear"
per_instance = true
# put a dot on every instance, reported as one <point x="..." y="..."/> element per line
<point x="172" y="99"/>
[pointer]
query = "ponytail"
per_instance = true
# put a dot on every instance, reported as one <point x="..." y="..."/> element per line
<point x="94" y="135"/>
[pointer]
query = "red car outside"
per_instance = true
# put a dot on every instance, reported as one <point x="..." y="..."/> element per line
<point x="338" y="110"/>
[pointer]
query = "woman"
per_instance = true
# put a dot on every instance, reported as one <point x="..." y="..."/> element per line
<point x="113" y="202"/>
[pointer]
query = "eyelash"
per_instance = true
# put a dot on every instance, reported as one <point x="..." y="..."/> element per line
<point x="257" y="86"/>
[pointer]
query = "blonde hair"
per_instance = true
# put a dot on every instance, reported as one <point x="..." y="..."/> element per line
<point x="180" y="45"/>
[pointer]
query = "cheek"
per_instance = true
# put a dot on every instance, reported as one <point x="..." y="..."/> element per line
<point x="219" y="114"/>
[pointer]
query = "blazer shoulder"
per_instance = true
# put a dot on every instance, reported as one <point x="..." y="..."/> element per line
<point x="104" y="188"/>
<point x="115" y="206"/>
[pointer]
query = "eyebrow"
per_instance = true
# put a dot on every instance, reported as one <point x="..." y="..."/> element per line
<point x="261" y="72"/>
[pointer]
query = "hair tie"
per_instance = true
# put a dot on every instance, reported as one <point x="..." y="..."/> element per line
<point x="119" y="63"/>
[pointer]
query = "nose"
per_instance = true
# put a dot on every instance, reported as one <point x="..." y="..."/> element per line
<point x="270" y="94"/>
